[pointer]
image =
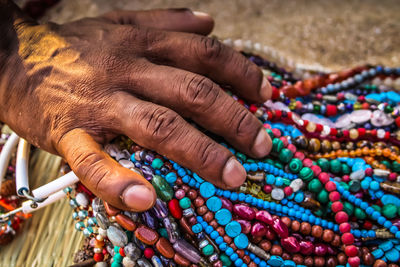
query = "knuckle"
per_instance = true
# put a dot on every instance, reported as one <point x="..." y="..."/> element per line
<point x="207" y="152"/>
<point x="209" y="48"/>
<point x="199" y="92"/>
<point x="243" y="122"/>
<point x="162" y="123"/>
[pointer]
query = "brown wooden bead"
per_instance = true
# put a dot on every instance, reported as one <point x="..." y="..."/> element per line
<point x="227" y="239"/>
<point x="331" y="261"/>
<point x="368" y="259"/>
<point x="380" y="263"/>
<point x="295" y="226"/>
<point x="192" y="194"/>
<point x="213" y="223"/>
<point x="287" y="221"/>
<point x="319" y="261"/>
<point x="181" y="261"/>
<point x="208" y="216"/>
<point x="246" y="259"/>
<point x="342" y="258"/>
<point x="276" y="250"/>
<point x="308" y="261"/>
<point x="265" y="245"/>
<point x="198" y="202"/>
<point x="316" y="231"/>
<point x="328" y="235"/>
<point x="202" y="210"/>
<point x="165" y="248"/>
<point x="240" y="253"/>
<point x="125" y="222"/>
<point x="256" y="239"/>
<point x="111" y="210"/>
<point x="286" y="256"/>
<point x="305" y="228"/>
<point x="220" y="230"/>
<point x="298" y="259"/>
<point x="252" y="264"/>
<point x="336" y="241"/>
<point x="146" y="235"/>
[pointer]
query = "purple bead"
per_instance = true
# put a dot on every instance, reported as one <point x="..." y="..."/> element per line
<point x="280" y="228"/>
<point x="396" y="222"/>
<point x="258" y="229"/>
<point x="298" y="236"/>
<point x="160" y="209"/>
<point x="265" y="217"/>
<point x="170" y="231"/>
<point x="147" y="172"/>
<point x="306" y="247"/>
<point x="149" y="157"/>
<point x="246" y="226"/>
<point x="226" y="204"/>
<point x="180" y="193"/>
<point x="149" y="219"/>
<point x="184" y="248"/>
<point x="290" y="244"/>
<point x="244" y="211"/>
<point x="138" y="165"/>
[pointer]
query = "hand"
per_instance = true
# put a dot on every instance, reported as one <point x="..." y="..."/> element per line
<point x="74" y="86"/>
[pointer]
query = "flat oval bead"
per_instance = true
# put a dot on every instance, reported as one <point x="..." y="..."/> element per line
<point x="181" y="261"/>
<point x="125" y="222"/>
<point x="165" y="248"/>
<point x="184" y="248"/>
<point x="147" y="235"/>
<point x="223" y="216"/>
<point x="175" y="209"/>
<point x="214" y="203"/>
<point x="233" y="229"/>
<point x="116" y="236"/>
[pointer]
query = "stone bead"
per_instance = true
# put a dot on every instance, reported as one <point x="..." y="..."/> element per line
<point x="128" y="262"/>
<point x="389" y="211"/>
<point x="328" y="235"/>
<point x="285" y="155"/>
<point x="182" y="247"/>
<point x="165" y="248"/>
<point x="163" y="189"/>
<point x="295" y="226"/>
<point x="102" y="220"/>
<point x="316" y="231"/>
<point x="314" y="145"/>
<point x="256" y="176"/>
<point x="147" y="235"/>
<point x="116" y="236"/>
<point x="125" y="222"/>
<point x="305" y="228"/>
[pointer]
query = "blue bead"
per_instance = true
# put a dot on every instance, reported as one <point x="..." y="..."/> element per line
<point x="289" y="263"/>
<point x="234" y="196"/>
<point x="374" y="185"/>
<point x="209" y="229"/>
<point x="394" y="229"/>
<point x="266" y="205"/>
<point x="238" y="262"/>
<point x="387" y="224"/>
<point x="275" y="261"/>
<point x="234" y="257"/>
<point x="358" y="202"/>
<point x="223" y="216"/>
<point x="381" y="220"/>
<point x="270" y="179"/>
<point x="229" y="251"/>
<point x="223" y="246"/>
<point x="214" y="203"/>
<point x="357" y="233"/>
<point x="377" y="253"/>
<point x="219" y="240"/>
<point x="227" y="194"/>
<point x="241" y="241"/>
<point x="262" y="264"/>
<point x="392" y="255"/>
<point x="207" y="190"/>
<point x="214" y="234"/>
<point x="369" y="210"/>
<point x="257" y="260"/>
<point x="279" y="181"/>
<point x="197" y="228"/>
<point x="387" y="245"/>
<point x="233" y="229"/>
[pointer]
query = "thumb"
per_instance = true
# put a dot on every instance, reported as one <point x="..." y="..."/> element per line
<point x="179" y="19"/>
<point x="105" y="177"/>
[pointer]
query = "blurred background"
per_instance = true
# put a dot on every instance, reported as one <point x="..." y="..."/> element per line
<point x="336" y="34"/>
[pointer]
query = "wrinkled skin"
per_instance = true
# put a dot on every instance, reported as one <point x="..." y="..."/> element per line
<point x="70" y="88"/>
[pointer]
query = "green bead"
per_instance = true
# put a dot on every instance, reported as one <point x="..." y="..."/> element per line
<point x="377" y="208"/>
<point x="323" y="164"/>
<point x="396" y="166"/>
<point x="225" y="260"/>
<point x="117" y="257"/>
<point x="318" y="213"/>
<point x="157" y="163"/>
<point x="314" y="185"/>
<point x="271" y="134"/>
<point x="345" y="169"/>
<point x="269" y="161"/>
<point x="335" y="166"/>
<point x="387" y="164"/>
<point x="295" y="165"/>
<point x="348" y="208"/>
<point x="208" y="250"/>
<point x="241" y="156"/>
<point x="359" y="213"/>
<point x="184" y="203"/>
<point x="163" y="189"/>
<point x="345" y="185"/>
<point x="388" y="109"/>
<point x="277" y="145"/>
<point x="323" y="196"/>
<point x="285" y="155"/>
<point x="306" y="174"/>
<point x="163" y="232"/>
<point x="278" y="165"/>
<point x="286" y="181"/>
<point x="354" y="186"/>
<point x="317" y="109"/>
<point x="116" y="264"/>
<point x="389" y="211"/>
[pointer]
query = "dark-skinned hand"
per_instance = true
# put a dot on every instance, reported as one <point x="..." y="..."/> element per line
<point x="71" y="88"/>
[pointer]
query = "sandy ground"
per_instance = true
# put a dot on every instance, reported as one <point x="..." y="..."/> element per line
<point x="335" y="34"/>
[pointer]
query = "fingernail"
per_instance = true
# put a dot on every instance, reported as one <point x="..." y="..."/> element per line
<point x="138" y="197"/>
<point x="266" y="90"/>
<point x="233" y="174"/>
<point x="201" y="15"/>
<point x="262" y="144"/>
